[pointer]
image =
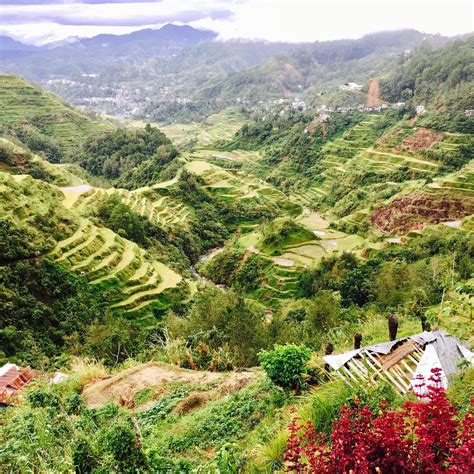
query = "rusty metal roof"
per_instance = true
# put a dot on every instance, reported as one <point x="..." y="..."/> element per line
<point x="12" y="379"/>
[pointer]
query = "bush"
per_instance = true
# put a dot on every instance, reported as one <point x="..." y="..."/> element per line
<point x="425" y="436"/>
<point x="286" y="365"/>
<point x="43" y="399"/>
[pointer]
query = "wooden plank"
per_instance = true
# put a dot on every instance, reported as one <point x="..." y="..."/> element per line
<point x="361" y="366"/>
<point x="348" y="372"/>
<point x="393" y="370"/>
<point x="357" y="371"/>
<point x="387" y="374"/>
<point x="398" y="354"/>
<point x="344" y="378"/>
<point x="407" y="367"/>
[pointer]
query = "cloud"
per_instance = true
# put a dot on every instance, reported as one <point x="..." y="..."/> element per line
<point x="311" y="20"/>
<point x="121" y="13"/>
<point x="62" y="2"/>
<point x="274" y="20"/>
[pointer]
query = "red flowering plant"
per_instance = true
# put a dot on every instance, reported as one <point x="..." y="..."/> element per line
<point x="425" y="436"/>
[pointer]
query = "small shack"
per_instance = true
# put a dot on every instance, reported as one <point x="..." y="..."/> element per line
<point x="12" y="379"/>
<point x="401" y="362"/>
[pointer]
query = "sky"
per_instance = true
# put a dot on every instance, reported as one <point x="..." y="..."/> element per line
<point x="42" y="21"/>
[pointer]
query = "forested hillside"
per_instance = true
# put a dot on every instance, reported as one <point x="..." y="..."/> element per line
<point x="250" y="293"/>
<point x="181" y="74"/>
<point x="438" y="78"/>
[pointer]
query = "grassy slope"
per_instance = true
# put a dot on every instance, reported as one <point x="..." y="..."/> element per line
<point x="97" y="254"/>
<point x="221" y="126"/>
<point x="20" y="100"/>
<point x="19" y="161"/>
<point x="360" y="152"/>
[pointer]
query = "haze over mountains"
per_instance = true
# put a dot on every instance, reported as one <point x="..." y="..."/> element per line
<point x="179" y="72"/>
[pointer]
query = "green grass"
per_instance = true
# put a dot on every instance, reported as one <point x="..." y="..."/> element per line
<point x="221" y="126"/>
<point x="161" y="210"/>
<point x="458" y="184"/>
<point x="20" y="101"/>
<point x="103" y="258"/>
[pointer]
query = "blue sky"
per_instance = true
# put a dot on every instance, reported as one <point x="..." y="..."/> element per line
<point x="40" y="21"/>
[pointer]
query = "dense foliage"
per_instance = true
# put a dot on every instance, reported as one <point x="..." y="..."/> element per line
<point x="399" y="275"/>
<point x="32" y="219"/>
<point x="438" y="78"/>
<point x="46" y="311"/>
<point x="286" y="365"/>
<point x="133" y="158"/>
<point x="219" y="331"/>
<point x="425" y="436"/>
<point x="214" y="219"/>
<point x="264" y="250"/>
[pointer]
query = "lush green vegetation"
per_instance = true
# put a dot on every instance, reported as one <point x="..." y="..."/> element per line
<point x="132" y="158"/>
<point x="286" y="365"/>
<point x="41" y="120"/>
<point x="46" y="310"/>
<point x="439" y="78"/>
<point x="160" y="297"/>
<point x="32" y="219"/>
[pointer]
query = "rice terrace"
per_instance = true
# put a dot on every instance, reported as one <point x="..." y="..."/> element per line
<point x="228" y="248"/>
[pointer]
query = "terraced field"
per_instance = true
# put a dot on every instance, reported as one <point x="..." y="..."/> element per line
<point x="279" y="284"/>
<point x="159" y="209"/>
<point x="459" y="184"/>
<point x="308" y="197"/>
<point x="337" y="157"/>
<point x="281" y="273"/>
<point x="234" y="184"/>
<point x="346" y="147"/>
<point x="223" y="158"/>
<point x="360" y="150"/>
<point x="331" y="242"/>
<point x="380" y="161"/>
<point x="106" y="259"/>
<point x="221" y="126"/>
<point x="20" y="100"/>
<point x="23" y="161"/>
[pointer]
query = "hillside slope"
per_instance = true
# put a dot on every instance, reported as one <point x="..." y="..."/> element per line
<point x="441" y="79"/>
<point x="29" y="112"/>
<point x="96" y="253"/>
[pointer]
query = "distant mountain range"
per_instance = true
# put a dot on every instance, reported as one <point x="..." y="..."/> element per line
<point x="182" y="73"/>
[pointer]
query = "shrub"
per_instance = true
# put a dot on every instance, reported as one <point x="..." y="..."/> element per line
<point x="83" y="458"/>
<point x="42" y="399"/>
<point x="286" y="365"/>
<point x="425" y="436"/>
<point x="120" y="442"/>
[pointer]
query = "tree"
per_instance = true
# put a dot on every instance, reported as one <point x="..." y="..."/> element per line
<point x="220" y="319"/>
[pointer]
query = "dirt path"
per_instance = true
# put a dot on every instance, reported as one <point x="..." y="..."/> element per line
<point x="130" y="381"/>
<point x="373" y="98"/>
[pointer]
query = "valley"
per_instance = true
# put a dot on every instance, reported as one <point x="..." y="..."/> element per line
<point x="181" y="281"/>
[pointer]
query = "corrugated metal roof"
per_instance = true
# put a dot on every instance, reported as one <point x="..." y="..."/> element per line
<point x="448" y="349"/>
<point x="12" y="379"/>
<point x="337" y="360"/>
<point x="449" y="353"/>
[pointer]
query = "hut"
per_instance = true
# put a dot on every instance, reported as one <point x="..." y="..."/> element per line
<point x="12" y="379"/>
<point x="401" y="362"/>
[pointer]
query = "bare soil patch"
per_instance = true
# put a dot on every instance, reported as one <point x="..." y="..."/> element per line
<point x="124" y="385"/>
<point x="373" y="95"/>
<point x="417" y="210"/>
<point x="421" y="139"/>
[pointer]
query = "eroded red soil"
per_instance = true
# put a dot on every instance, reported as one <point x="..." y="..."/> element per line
<point x="416" y="211"/>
